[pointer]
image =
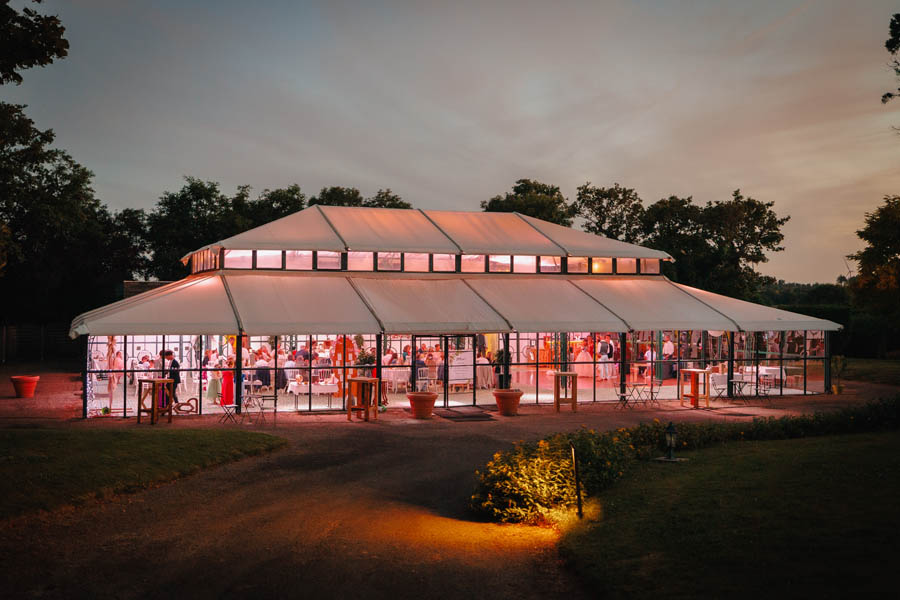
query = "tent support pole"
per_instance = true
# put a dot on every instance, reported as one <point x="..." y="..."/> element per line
<point x="731" y="364"/>
<point x="239" y="371"/>
<point x="805" y="355"/>
<point x="413" y="371"/>
<point x="445" y="341"/>
<point x="622" y="342"/>
<point x="378" y="342"/>
<point x="124" y="377"/>
<point x="827" y="364"/>
<point x="84" y="376"/>
<point x="594" y="364"/>
<point x="507" y="358"/>
<point x="474" y="369"/>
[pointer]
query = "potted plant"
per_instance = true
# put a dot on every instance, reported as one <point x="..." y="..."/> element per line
<point x="508" y="401"/>
<point x="24" y="385"/>
<point x="421" y="404"/>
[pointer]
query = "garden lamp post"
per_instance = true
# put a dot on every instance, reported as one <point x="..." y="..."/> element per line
<point x="671" y="438"/>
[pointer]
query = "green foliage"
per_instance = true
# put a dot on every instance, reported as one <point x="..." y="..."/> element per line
<point x="28" y="39"/>
<point x="615" y="212"/>
<point x="199" y="213"/>
<point x="893" y="47"/>
<point x="877" y="283"/>
<point x="535" y="199"/>
<point x="350" y="196"/>
<point x="55" y="230"/>
<point x="529" y="482"/>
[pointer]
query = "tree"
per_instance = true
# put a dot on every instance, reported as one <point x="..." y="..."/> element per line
<point x="877" y="284"/>
<point x="741" y="230"/>
<point x="676" y="226"/>
<point x="615" y="212"/>
<point x="893" y="47"/>
<point x="386" y="199"/>
<point x="338" y="196"/>
<point x="199" y="214"/>
<point x="28" y="39"/>
<point x="535" y="199"/>
<point x="716" y="246"/>
<point x="274" y="204"/>
<point x="65" y="251"/>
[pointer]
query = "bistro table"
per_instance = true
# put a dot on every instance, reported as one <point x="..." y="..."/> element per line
<point x="562" y="379"/>
<point x="162" y="398"/>
<point x="366" y="397"/>
<point x="695" y="394"/>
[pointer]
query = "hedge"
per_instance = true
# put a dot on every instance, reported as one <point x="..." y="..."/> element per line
<point x="533" y="479"/>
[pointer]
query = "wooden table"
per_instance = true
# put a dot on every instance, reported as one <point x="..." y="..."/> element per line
<point x="695" y="394"/>
<point x="366" y="397"/>
<point x="559" y="377"/>
<point x="162" y="395"/>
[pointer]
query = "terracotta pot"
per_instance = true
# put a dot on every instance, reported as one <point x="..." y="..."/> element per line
<point x="25" y="385"/>
<point x="421" y="403"/>
<point x="508" y="401"/>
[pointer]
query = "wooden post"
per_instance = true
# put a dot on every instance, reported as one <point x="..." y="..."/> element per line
<point x="577" y="481"/>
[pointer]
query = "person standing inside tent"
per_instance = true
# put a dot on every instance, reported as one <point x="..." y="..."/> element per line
<point x="605" y="353"/>
<point x="172" y="370"/>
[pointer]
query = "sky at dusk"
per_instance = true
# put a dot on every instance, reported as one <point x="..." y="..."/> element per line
<point x="448" y="103"/>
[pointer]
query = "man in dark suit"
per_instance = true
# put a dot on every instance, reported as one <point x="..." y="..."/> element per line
<point x="171" y="371"/>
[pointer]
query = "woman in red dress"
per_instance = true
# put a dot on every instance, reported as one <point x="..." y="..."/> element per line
<point x="228" y="384"/>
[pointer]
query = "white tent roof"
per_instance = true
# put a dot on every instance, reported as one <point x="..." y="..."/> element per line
<point x="194" y="305"/>
<point x="580" y="243"/>
<point x="272" y="303"/>
<point x="429" y="306"/>
<point x="541" y="304"/>
<point x="283" y="303"/>
<point x="756" y="317"/>
<point x="303" y="230"/>
<point x="653" y="303"/>
<point x="387" y="229"/>
<point x="366" y="229"/>
<point x="493" y="233"/>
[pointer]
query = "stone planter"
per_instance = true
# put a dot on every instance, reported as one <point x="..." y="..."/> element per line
<point x="508" y="401"/>
<point x="25" y="385"/>
<point x="421" y="403"/>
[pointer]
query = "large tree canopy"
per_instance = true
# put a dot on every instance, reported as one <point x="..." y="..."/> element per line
<point x="615" y="212"/>
<point x="28" y="39"/>
<point x="64" y="251"/>
<point x="199" y="213"/>
<point x="877" y="284"/>
<point x="535" y="199"/>
<point x="350" y="196"/>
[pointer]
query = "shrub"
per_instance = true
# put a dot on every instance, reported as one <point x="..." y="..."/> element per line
<point x="528" y="482"/>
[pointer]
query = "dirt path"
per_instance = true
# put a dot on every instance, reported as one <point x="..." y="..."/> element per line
<point x="347" y="510"/>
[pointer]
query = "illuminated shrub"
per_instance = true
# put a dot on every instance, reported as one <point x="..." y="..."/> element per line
<point x="533" y="479"/>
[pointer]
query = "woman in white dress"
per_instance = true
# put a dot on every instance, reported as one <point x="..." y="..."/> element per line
<point x="584" y="360"/>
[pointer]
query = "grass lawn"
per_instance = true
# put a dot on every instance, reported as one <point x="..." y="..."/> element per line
<point x="48" y="468"/>
<point x="874" y="370"/>
<point x="814" y="517"/>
